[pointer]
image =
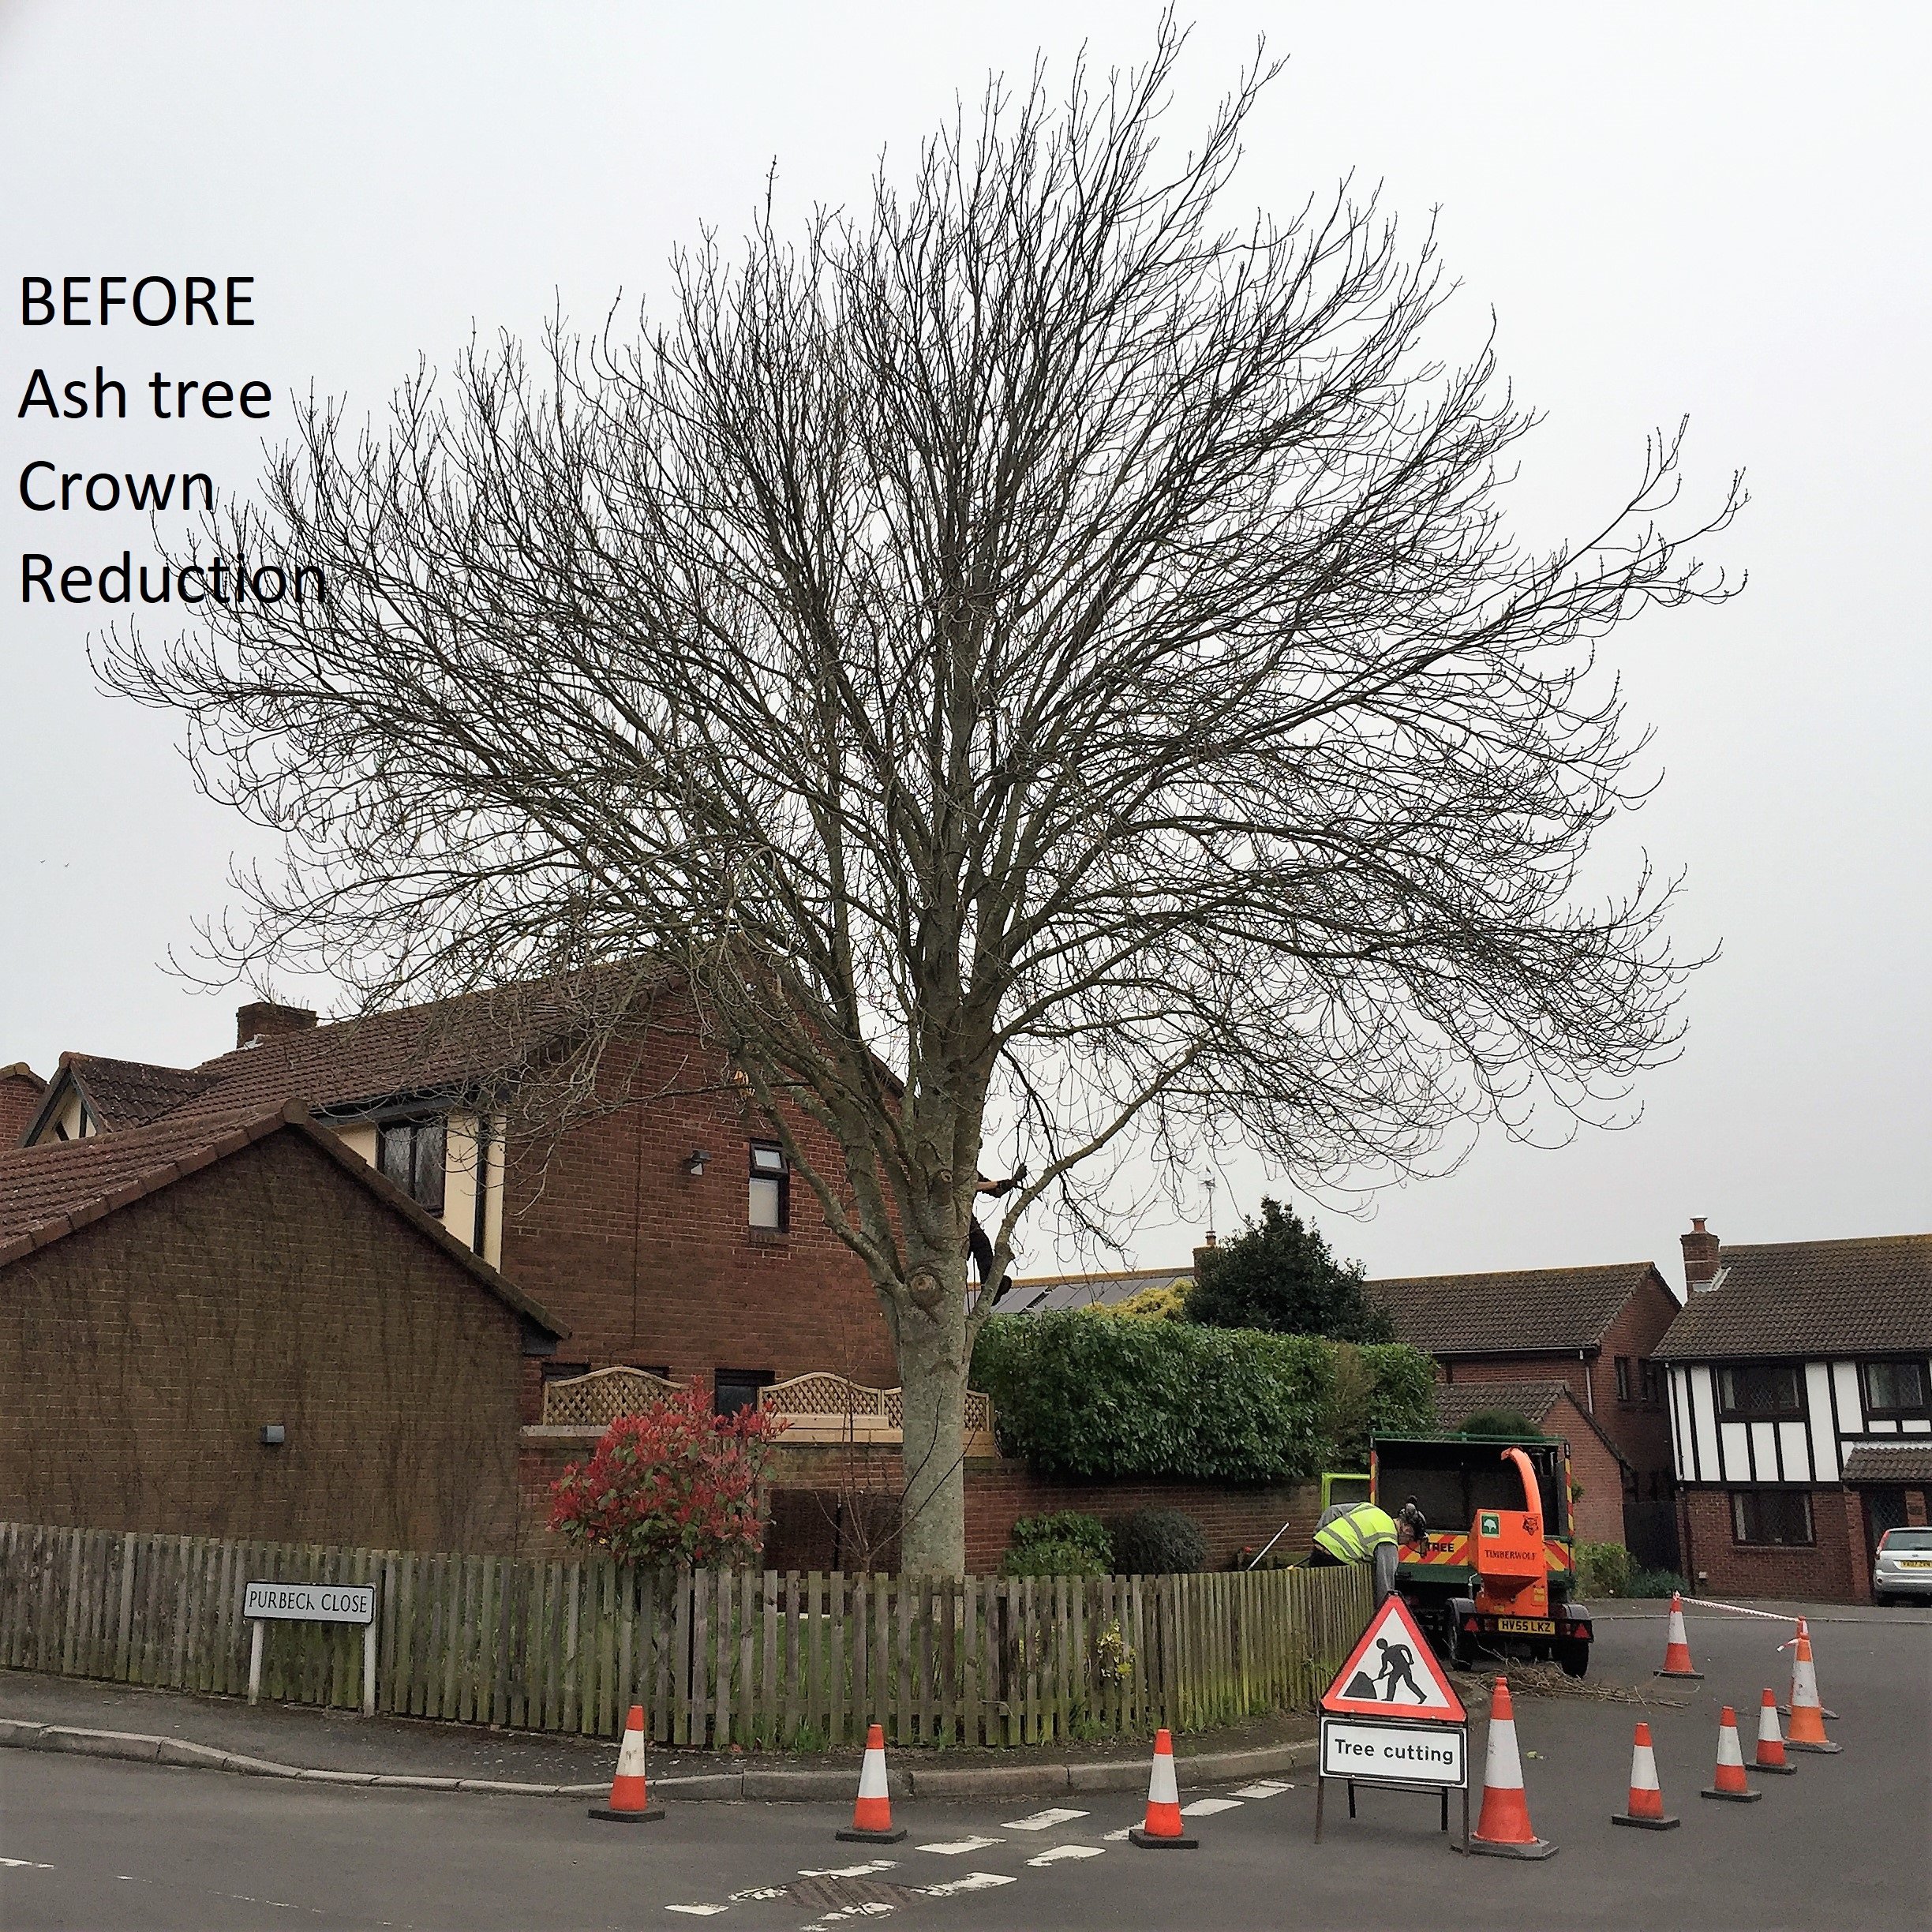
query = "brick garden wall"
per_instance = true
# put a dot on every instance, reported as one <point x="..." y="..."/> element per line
<point x="835" y="1508"/>
<point x="140" y="1356"/>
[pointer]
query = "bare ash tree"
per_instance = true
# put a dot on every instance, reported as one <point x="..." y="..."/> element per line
<point x="1035" y="657"/>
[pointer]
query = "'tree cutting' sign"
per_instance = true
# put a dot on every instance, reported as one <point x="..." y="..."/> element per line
<point x="312" y="1602"/>
<point x="1400" y="1754"/>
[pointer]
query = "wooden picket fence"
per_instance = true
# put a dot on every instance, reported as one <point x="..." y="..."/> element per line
<point x="716" y="1657"/>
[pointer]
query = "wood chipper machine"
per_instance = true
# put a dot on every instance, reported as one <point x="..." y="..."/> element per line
<point x="1494" y="1574"/>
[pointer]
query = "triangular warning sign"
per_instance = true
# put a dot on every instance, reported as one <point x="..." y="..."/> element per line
<point x="1393" y="1673"/>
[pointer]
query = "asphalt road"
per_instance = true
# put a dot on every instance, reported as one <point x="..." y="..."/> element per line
<point x="97" y="1844"/>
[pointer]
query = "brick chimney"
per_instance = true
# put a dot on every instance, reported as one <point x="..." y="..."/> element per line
<point x="262" y="1019"/>
<point x="21" y="1091"/>
<point x="1700" y="1255"/>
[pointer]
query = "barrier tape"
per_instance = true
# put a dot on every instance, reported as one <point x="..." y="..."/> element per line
<point x="1770" y="1616"/>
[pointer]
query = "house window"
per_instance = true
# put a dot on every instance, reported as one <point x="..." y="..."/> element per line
<point x="410" y="1153"/>
<point x="1895" y="1391"/>
<point x="555" y="1371"/>
<point x="734" y="1389"/>
<point x="1650" y="1376"/>
<point x="771" y="1187"/>
<point x="1772" y="1518"/>
<point x="1760" y="1392"/>
<point x="1623" y="1378"/>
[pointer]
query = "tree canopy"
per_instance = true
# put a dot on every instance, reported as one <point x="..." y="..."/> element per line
<point x="1279" y="1274"/>
<point x="1040" y="653"/>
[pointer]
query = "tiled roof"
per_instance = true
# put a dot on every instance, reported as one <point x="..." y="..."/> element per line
<point x="130" y="1093"/>
<point x="1529" y="1311"/>
<point x="1890" y="1462"/>
<point x="1815" y="1298"/>
<point x="1039" y="1293"/>
<point x="50" y="1192"/>
<point x="1456" y="1402"/>
<point x="44" y="1188"/>
<point x="457" y="1043"/>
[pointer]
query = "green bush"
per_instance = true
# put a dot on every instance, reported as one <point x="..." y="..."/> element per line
<point x="1076" y="1397"/>
<point x="1159" y="1542"/>
<point x="1067" y="1543"/>
<point x="1503" y="1425"/>
<point x="1654" y="1583"/>
<point x="1602" y="1569"/>
<point x="1402" y="1398"/>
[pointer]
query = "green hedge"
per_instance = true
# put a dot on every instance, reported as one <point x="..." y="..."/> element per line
<point x="1076" y="1397"/>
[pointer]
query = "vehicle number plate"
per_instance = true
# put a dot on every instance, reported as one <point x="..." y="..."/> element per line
<point x="1915" y="1562"/>
<point x="1528" y="1627"/>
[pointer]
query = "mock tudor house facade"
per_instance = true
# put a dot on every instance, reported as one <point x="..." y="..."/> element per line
<point x="1800" y="1383"/>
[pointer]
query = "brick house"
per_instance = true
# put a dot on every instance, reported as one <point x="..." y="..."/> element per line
<point x="1597" y="1472"/>
<point x="240" y="1329"/>
<point x="660" y="1223"/>
<point x="1800" y="1382"/>
<point x="1595" y="1330"/>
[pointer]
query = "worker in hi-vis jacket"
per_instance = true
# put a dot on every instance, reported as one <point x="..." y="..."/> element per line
<point x="1352" y="1533"/>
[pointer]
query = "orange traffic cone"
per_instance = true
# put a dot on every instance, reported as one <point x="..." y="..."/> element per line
<point x="1677" y="1645"/>
<point x="1728" y="1782"/>
<point x="872" y="1814"/>
<point x="1164" y="1832"/>
<point x="1770" y="1754"/>
<point x="1646" y="1796"/>
<point x="1502" y="1828"/>
<point x="629" y="1800"/>
<point x="1807" y="1715"/>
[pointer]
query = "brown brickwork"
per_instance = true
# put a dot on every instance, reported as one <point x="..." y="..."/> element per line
<point x="141" y="1354"/>
<point x="1835" y="1568"/>
<point x="648" y="1264"/>
<point x="998" y="1493"/>
<point x="1640" y="1429"/>
<point x="1594" y="1466"/>
<point x="21" y="1092"/>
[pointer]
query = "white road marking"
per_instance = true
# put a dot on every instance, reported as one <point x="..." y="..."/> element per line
<point x="1119" y="1837"/>
<point x="1207" y="1807"/>
<point x="973" y="1881"/>
<point x="1044" y="1820"/>
<point x="758" y="1892"/>
<point x="1267" y="1788"/>
<point x="848" y="1871"/>
<point x="1066" y="1852"/>
<point x="958" y="1845"/>
<point x="698" y="1912"/>
<point x="24" y="1865"/>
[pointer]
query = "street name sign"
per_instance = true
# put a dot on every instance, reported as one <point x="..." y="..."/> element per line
<point x="311" y="1603"/>
<point x="262" y="1604"/>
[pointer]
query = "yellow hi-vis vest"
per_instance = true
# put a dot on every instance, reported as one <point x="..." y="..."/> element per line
<point x="1353" y="1533"/>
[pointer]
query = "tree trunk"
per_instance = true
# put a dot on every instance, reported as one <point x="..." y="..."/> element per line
<point x="933" y="1357"/>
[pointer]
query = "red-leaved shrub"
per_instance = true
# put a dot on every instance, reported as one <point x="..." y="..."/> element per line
<point x="674" y="1485"/>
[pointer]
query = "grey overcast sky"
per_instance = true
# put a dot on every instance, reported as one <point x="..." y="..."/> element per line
<point x="1718" y="210"/>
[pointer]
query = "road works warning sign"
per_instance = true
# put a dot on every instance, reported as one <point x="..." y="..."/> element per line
<point x="1393" y="1673"/>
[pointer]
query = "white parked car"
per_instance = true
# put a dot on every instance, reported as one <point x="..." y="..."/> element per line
<point x="1903" y="1568"/>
